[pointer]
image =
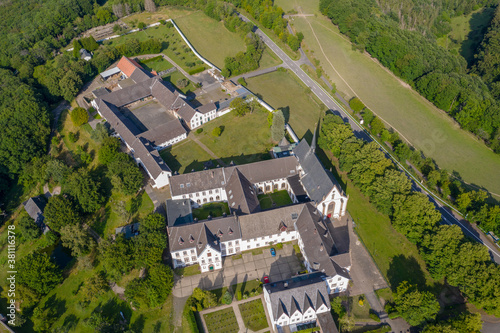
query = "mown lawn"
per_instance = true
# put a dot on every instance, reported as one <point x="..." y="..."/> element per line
<point x="244" y="139"/>
<point x="426" y="127"/>
<point x="210" y="38"/>
<point x="213" y="209"/>
<point x="161" y="13"/>
<point x="247" y="287"/>
<point x="185" y="156"/>
<point x="174" y="78"/>
<point x="275" y="199"/>
<point x="158" y="65"/>
<point x="281" y="90"/>
<point x="222" y="321"/>
<point x="253" y="315"/>
<point x="360" y="312"/>
<point x="188" y="270"/>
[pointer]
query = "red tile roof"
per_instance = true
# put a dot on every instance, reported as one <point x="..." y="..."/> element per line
<point x="127" y="66"/>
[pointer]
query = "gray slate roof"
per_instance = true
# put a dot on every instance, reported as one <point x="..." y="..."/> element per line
<point x="129" y="230"/>
<point x="297" y="188"/>
<point x="140" y="74"/>
<point x="216" y="178"/>
<point x="34" y="207"/>
<point x="206" y="108"/>
<point x="270" y="221"/>
<point x="294" y="294"/>
<point x="326" y="323"/>
<point x="130" y="94"/>
<point x="242" y="197"/>
<point x="316" y="180"/>
<point x="318" y="242"/>
<point x="164" y="132"/>
<point x="179" y="212"/>
<point x="186" y="112"/>
<point x="165" y="93"/>
<point x="201" y="234"/>
<point x="149" y="156"/>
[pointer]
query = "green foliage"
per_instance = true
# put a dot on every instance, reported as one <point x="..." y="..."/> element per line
<point x="199" y="130"/>
<point x="244" y="61"/>
<point x="196" y="70"/>
<point x="116" y="257"/>
<point x="416" y="307"/>
<point x="60" y="212"/>
<point x="333" y="133"/>
<point x="25" y="124"/>
<point x="227" y="298"/>
<point x="182" y="83"/>
<point x="39" y="273"/>
<point x="376" y="126"/>
<point x="217" y="131"/>
<point x="29" y="230"/>
<point x="242" y="81"/>
<point x="153" y="290"/>
<point x="126" y="176"/>
<point x="99" y="322"/>
<point x="79" y="116"/>
<point x="278" y="127"/>
<point x="201" y="299"/>
<point x="77" y="239"/>
<point x="73" y="137"/>
<point x="85" y="190"/>
<point x="141" y="25"/>
<point x="239" y="106"/>
<point x="374" y="316"/>
<point x="356" y="104"/>
<point x="94" y="286"/>
<point x="57" y="171"/>
<point x="270" y="118"/>
<point x="465" y="322"/>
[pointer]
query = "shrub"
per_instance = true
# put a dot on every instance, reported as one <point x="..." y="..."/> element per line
<point x="141" y="25"/>
<point x="227" y="298"/>
<point x="199" y="130"/>
<point x="190" y="64"/>
<point x="79" y="116"/>
<point x="182" y="83"/>
<point x="374" y="316"/>
<point x="356" y="104"/>
<point x="217" y="131"/>
<point x="196" y="70"/>
<point x="73" y="137"/>
<point x="242" y="81"/>
<point x="279" y="245"/>
<point x="169" y="24"/>
<point x="238" y="295"/>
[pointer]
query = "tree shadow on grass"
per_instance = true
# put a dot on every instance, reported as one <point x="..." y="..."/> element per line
<point x="138" y="324"/>
<point x="404" y="268"/>
<point x="70" y="322"/>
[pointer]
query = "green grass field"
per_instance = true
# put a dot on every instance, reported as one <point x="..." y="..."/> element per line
<point x="467" y="33"/>
<point x="188" y="270"/>
<point x="174" y="78"/>
<point x="185" y="156"/>
<point x="426" y="127"/>
<point x="253" y="315"/>
<point x="222" y="321"/>
<point x="210" y="38"/>
<point x="361" y="313"/>
<point x="244" y="139"/>
<point x="281" y="90"/>
<point x="157" y="65"/>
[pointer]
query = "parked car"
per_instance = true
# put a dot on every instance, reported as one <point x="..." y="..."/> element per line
<point x="266" y="279"/>
<point x="273" y="252"/>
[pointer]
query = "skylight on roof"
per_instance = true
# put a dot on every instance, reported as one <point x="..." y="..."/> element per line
<point x="188" y="184"/>
<point x="182" y="185"/>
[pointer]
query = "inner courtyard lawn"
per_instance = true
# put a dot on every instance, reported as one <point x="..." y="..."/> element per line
<point x="222" y="321"/>
<point x="243" y="140"/>
<point x="281" y="90"/>
<point x="213" y="209"/>
<point x="253" y="315"/>
<point x="185" y="156"/>
<point x="275" y="199"/>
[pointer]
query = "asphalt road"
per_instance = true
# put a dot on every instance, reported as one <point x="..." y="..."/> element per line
<point x="447" y="214"/>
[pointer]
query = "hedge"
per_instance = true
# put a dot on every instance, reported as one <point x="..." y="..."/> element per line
<point x="189" y="315"/>
<point x="196" y="70"/>
<point x="145" y="61"/>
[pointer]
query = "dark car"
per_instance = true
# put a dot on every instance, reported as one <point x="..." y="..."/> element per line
<point x="273" y="252"/>
<point x="266" y="279"/>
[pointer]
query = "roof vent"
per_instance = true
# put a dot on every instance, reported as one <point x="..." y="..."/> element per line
<point x="321" y="248"/>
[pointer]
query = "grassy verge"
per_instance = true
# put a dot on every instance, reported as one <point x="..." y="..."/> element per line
<point x="251" y="287"/>
<point x="222" y="321"/>
<point x="244" y="139"/>
<point x="157" y="65"/>
<point x="282" y="91"/>
<point x="188" y="270"/>
<point x="253" y="315"/>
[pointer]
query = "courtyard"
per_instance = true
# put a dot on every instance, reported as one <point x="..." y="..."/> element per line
<point x="147" y="114"/>
<point x="241" y="268"/>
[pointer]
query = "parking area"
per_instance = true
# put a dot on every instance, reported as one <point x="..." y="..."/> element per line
<point x="249" y="267"/>
<point x="148" y="114"/>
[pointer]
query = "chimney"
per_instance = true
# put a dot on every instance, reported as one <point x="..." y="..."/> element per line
<point x="285" y="284"/>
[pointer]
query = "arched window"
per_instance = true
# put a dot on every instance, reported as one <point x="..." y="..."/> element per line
<point x="198" y="201"/>
<point x="211" y="199"/>
<point x="283" y="185"/>
<point x="217" y="198"/>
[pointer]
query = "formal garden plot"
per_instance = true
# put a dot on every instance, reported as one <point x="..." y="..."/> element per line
<point x="222" y="321"/>
<point x="253" y="315"/>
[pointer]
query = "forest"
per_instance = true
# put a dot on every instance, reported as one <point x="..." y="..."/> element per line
<point x="403" y="38"/>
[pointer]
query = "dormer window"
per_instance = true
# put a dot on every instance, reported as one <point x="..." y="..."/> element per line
<point x="182" y="185"/>
<point x="181" y="241"/>
<point x="191" y="239"/>
<point x="230" y="231"/>
<point x="219" y="233"/>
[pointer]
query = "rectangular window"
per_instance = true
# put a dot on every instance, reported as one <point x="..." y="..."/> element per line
<point x="177" y="255"/>
<point x="193" y="258"/>
<point x="209" y="254"/>
<point x="192" y="251"/>
<point x="184" y="252"/>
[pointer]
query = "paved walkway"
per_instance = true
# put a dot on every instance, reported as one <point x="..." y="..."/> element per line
<point x="249" y="267"/>
<point x="205" y="148"/>
<point x="256" y="73"/>
<point x="237" y="314"/>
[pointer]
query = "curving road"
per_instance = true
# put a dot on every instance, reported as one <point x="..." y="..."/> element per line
<point x="449" y="214"/>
